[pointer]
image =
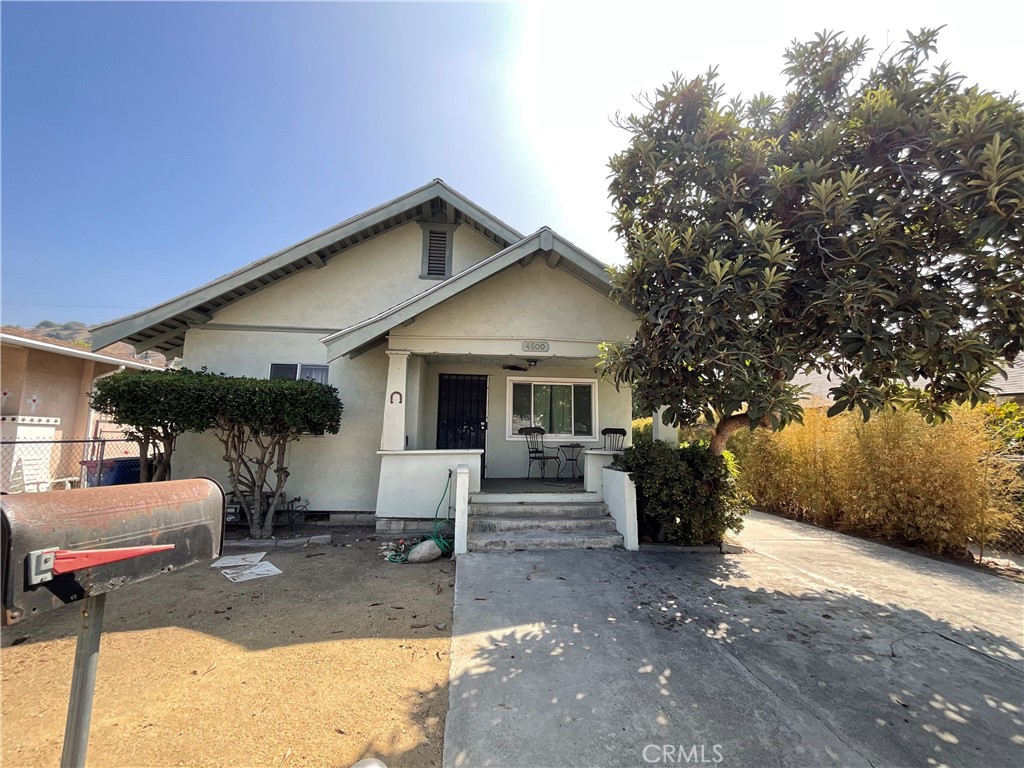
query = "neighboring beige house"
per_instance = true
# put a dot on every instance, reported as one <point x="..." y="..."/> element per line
<point x="46" y="387"/>
<point x="444" y="330"/>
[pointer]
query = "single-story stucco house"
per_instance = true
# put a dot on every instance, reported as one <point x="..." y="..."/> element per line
<point x="445" y="331"/>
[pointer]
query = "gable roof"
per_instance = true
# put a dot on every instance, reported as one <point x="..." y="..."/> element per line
<point x="58" y="348"/>
<point x="163" y="327"/>
<point x="544" y="243"/>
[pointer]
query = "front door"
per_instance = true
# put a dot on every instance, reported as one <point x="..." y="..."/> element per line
<point x="462" y="413"/>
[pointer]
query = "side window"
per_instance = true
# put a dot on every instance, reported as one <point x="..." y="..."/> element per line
<point x="284" y="371"/>
<point x="295" y="371"/>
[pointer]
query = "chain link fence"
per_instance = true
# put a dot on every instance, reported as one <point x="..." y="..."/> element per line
<point x="30" y="466"/>
<point x="1011" y="538"/>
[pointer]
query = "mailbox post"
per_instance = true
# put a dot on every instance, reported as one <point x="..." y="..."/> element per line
<point x="64" y="547"/>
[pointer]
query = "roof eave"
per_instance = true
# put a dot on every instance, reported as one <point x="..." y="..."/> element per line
<point x="38" y="344"/>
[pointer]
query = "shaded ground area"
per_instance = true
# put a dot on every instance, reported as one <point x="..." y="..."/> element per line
<point x="336" y="659"/>
<point x="844" y="655"/>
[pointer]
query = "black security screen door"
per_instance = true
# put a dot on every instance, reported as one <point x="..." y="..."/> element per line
<point x="461" y="411"/>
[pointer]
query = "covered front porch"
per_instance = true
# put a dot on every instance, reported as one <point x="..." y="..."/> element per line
<point x="451" y="448"/>
<point x="445" y="408"/>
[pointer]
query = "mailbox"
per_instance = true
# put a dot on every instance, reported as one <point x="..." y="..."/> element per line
<point x="61" y="547"/>
<point x="74" y="546"/>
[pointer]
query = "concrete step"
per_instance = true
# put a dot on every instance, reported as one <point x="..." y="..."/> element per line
<point x="550" y="523"/>
<point x="534" y="540"/>
<point x="538" y="509"/>
<point x="534" y="498"/>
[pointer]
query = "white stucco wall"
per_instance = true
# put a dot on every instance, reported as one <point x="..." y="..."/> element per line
<point x="469" y="247"/>
<point x="359" y="283"/>
<point x="413" y="482"/>
<point x="525" y="303"/>
<point x="335" y="473"/>
<point x="620" y="497"/>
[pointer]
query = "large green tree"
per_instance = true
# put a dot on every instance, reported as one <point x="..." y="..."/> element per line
<point x="869" y="228"/>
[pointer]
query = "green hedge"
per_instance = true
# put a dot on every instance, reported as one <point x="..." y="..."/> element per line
<point x="685" y="496"/>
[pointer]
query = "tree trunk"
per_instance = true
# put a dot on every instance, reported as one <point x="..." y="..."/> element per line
<point x="725" y="429"/>
<point x="278" y="448"/>
<point x="258" y="527"/>
<point x="143" y="460"/>
<point x="162" y="468"/>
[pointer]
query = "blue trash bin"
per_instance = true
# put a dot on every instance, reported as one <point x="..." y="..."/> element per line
<point x="124" y="472"/>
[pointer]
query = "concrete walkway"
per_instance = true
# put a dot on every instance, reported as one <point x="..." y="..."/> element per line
<point x="814" y="649"/>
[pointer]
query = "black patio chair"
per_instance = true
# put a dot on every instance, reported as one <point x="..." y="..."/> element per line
<point x="613" y="438"/>
<point x="536" y="451"/>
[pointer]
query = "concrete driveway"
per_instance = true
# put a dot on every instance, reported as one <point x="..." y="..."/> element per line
<point x="814" y="649"/>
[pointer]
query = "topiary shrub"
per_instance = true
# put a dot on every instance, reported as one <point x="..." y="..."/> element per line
<point x="685" y="496"/>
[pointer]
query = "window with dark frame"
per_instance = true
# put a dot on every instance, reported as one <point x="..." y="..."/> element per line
<point x="299" y="372"/>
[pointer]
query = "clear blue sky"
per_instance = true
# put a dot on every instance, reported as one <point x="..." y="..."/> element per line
<point x="148" y="148"/>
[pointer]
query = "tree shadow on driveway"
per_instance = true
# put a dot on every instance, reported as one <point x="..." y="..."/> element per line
<point x="612" y="658"/>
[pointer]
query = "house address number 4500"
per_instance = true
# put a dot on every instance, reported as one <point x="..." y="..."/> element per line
<point x="536" y="346"/>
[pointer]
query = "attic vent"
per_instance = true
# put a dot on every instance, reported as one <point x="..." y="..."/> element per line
<point x="437" y="252"/>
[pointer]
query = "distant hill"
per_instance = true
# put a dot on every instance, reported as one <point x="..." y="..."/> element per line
<point x="72" y="332"/>
<point x="76" y="334"/>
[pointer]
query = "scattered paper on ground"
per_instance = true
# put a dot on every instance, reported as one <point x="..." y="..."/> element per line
<point x="189" y="658"/>
<point x="250" y="572"/>
<point x="231" y="560"/>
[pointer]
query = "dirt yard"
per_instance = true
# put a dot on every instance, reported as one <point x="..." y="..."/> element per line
<point x="336" y="659"/>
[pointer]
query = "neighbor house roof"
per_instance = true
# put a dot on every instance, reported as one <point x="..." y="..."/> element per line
<point x="1013" y="384"/>
<point x="543" y="243"/>
<point x="59" y="348"/>
<point x="163" y="327"/>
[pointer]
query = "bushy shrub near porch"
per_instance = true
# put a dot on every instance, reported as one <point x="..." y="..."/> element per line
<point x="686" y="496"/>
<point x="894" y="477"/>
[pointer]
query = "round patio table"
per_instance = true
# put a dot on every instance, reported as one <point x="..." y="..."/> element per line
<point x="571" y="455"/>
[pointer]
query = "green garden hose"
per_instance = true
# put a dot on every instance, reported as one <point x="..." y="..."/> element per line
<point x="445" y="544"/>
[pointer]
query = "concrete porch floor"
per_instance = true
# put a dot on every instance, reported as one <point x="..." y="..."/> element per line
<point x="531" y="485"/>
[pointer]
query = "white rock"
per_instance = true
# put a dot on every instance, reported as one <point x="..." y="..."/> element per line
<point x="424" y="552"/>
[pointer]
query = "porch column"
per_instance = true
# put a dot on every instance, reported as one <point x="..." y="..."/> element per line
<point x="393" y="435"/>
<point x="658" y="429"/>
